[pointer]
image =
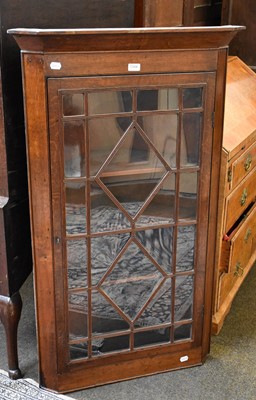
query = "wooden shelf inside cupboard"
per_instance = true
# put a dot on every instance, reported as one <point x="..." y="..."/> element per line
<point x="236" y="243"/>
<point x="123" y="261"/>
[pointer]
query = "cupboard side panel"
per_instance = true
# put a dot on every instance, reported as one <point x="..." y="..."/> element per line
<point x="215" y="177"/>
<point x="40" y="212"/>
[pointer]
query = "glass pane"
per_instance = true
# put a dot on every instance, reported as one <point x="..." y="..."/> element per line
<point x="129" y="181"/>
<point x="185" y="248"/>
<point x="77" y="263"/>
<point x="183" y="332"/>
<point x="75" y="208"/>
<point x="73" y="104"/>
<point x="104" y="134"/>
<point x="161" y="99"/>
<point x="152" y="337"/>
<point x="78" y="351"/>
<point x="190" y="139"/>
<point x="165" y="143"/>
<point x="108" y="345"/>
<point x="158" y="242"/>
<point x="104" y="317"/>
<point x="106" y="102"/>
<point x="132" y="281"/>
<point x="132" y="195"/>
<point x="159" y="309"/>
<point x="77" y="305"/>
<point x="105" y="216"/>
<point x="161" y="209"/>
<point x="104" y="250"/>
<point x="74" y="149"/>
<point x="133" y="157"/>
<point x="188" y="195"/>
<point x="184" y="291"/>
<point x="192" y="97"/>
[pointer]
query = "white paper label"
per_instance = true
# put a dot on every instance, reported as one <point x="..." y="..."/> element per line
<point x="133" y="67"/>
<point x="55" y="65"/>
<point x="184" y="358"/>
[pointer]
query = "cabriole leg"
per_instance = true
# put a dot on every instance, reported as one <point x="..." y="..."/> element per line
<point x="10" y="312"/>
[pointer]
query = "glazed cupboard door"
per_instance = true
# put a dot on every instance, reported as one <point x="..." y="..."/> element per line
<point x="130" y="172"/>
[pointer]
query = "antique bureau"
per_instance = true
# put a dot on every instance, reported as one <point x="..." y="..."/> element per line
<point x="236" y="243"/>
<point x="124" y="133"/>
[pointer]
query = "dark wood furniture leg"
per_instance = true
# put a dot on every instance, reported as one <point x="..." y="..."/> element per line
<point x="10" y="312"/>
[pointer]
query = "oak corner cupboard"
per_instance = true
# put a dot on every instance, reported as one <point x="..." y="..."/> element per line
<point x="123" y="174"/>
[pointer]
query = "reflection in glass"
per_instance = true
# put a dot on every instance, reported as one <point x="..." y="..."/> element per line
<point x="183" y="332"/>
<point x="105" y="318"/>
<point x="159" y="309"/>
<point x="75" y="208"/>
<point x="77" y="263"/>
<point x="104" y="135"/>
<point x="134" y="155"/>
<point x="129" y="181"/>
<point x="192" y="125"/>
<point x="105" y="216"/>
<point x="192" y="97"/>
<point x="77" y="306"/>
<point x="136" y="284"/>
<point x="188" y="195"/>
<point x="104" y="250"/>
<point x="152" y="337"/>
<point x="132" y="281"/>
<point x="162" y="130"/>
<point x="158" y="242"/>
<point x="132" y="194"/>
<point x="108" y="345"/>
<point x="78" y="351"/>
<point x="161" y="99"/>
<point x="105" y="102"/>
<point x="161" y="208"/>
<point x="184" y="291"/>
<point x="73" y="104"/>
<point x="74" y="149"/>
<point x="185" y="248"/>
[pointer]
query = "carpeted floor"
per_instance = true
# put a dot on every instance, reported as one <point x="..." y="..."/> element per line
<point x="228" y="374"/>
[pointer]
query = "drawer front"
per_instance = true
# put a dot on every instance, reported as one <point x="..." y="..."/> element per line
<point x="243" y="166"/>
<point x="239" y="200"/>
<point x="226" y="284"/>
<point x="242" y="247"/>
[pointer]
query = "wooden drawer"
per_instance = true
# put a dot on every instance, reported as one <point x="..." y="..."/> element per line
<point x="241" y="243"/>
<point x="239" y="200"/>
<point x="243" y="166"/>
<point x="240" y="249"/>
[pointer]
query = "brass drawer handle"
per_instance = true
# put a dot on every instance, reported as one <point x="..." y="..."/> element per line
<point x="247" y="235"/>
<point x="248" y="162"/>
<point x="239" y="270"/>
<point x="244" y="197"/>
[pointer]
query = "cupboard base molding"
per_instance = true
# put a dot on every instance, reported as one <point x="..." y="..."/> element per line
<point x="122" y="371"/>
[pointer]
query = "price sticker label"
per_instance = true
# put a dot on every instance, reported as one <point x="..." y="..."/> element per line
<point x="55" y="65"/>
<point x="184" y="359"/>
<point x="134" y="67"/>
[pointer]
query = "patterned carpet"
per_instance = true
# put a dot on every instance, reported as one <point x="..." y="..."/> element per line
<point x="134" y="276"/>
<point x="24" y="389"/>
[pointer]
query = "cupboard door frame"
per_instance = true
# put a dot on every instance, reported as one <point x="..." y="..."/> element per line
<point x="56" y="86"/>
